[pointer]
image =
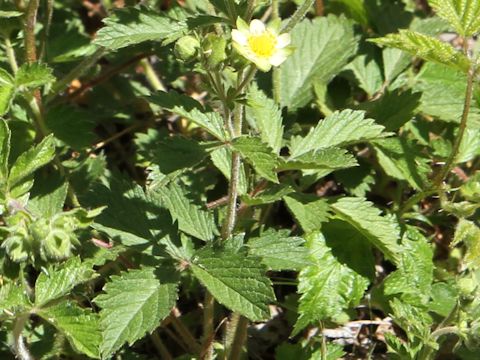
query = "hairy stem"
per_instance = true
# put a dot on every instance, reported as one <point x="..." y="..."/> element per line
<point x="30" y="21"/>
<point x="21" y="349"/>
<point x="239" y="337"/>
<point x="152" y="76"/>
<point x="444" y="331"/>
<point x="208" y="319"/>
<point x="160" y="346"/>
<point x="46" y="31"/>
<point x="275" y="9"/>
<point x="250" y="9"/>
<point x="11" y="55"/>
<point x="298" y="15"/>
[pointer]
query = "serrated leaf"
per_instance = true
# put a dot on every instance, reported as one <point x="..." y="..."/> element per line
<point x="191" y="218"/>
<point x="266" y="117"/>
<point x="427" y="48"/>
<point x="309" y="210"/>
<point x="132" y="217"/>
<point x="13" y="297"/>
<point x="169" y="153"/>
<point x="323" y="48"/>
<point x="394" y="62"/>
<point x="133" y="305"/>
<point x="469" y="233"/>
<point x="279" y="251"/>
<point x="402" y="159"/>
<point x="236" y="281"/>
<point x="393" y="109"/>
<point x="56" y="283"/>
<point x="414" y="276"/>
<point x="328" y="287"/>
<point x="259" y="155"/>
<point x="80" y="326"/>
<point x="131" y="26"/>
<point x="31" y="160"/>
<point x="33" y="75"/>
<point x="381" y="231"/>
<point x="191" y="110"/>
<point x="7" y="90"/>
<point x="341" y="128"/>
<point x="222" y="159"/>
<point x="271" y="194"/>
<point x="463" y="15"/>
<point x="331" y="158"/>
<point x="48" y="195"/>
<point x="367" y="72"/>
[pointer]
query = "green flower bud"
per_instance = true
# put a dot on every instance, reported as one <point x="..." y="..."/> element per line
<point x="186" y="48"/>
<point x="214" y="48"/>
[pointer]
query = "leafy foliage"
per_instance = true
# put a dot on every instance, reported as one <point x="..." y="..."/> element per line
<point x="464" y="15"/>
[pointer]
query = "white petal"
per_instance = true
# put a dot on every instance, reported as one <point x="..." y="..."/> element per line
<point x="283" y="40"/>
<point x="278" y="58"/>
<point x="257" y="27"/>
<point x="239" y="37"/>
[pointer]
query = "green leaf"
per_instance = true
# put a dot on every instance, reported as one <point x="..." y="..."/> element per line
<point x="31" y="160"/>
<point x="414" y="276"/>
<point x="469" y="233"/>
<point x="393" y="109"/>
<point x="131" y="217"/>
<point x="339" y="129"/>
<point x="270" y="195"/>
<point x="381" y="231"/>
<point x="191" y="218"/>
<point x="7" y="90"/>
<point x="222" y="159"/>
<point x="427" y="48"/>
<point x="367" y="72"/>
<point x="259" y="155"/>
<point x="13" y="298"/>
<point x="236" y="281"/>
<point x="56" y="283"/>
<point x="463" y="15"/>
<point x="80" y="326"/>
<point x="328" y="287"/>
<point x="191" y="110"/>
<point x="443" y="94"/>
<point x="33" y="75"/>
<point x="48" y="195"/>
<point x="332" y="158"/>
<point x="323" y="47"/>
<point x="309" y="210"/>
<point x="5" y="135"/>
<point x="394" y="62"/>
<point x="68" y="122"/>
<point x="133" y="305"/>
<point x="403" y="160"/>
<point x="266" y="118"/>
<point x="131" y="26"/>
<point x="169" y="153"/>
<point x="279" y="251"/>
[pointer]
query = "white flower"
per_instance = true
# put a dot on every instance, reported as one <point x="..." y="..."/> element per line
<point x="263" y="46"/>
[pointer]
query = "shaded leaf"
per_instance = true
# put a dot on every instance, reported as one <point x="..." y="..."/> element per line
<point x="309" y="210"/>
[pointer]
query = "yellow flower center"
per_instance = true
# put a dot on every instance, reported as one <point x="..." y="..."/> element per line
<point x="262" y="45"/>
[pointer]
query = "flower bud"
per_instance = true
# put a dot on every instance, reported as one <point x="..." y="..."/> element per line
<point x="214" y="48"/>
<point x="186" y="48"/>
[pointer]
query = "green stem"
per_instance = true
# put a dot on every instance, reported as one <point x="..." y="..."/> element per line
<point x="275" y="10"/>
<point x="46" y="31"/>
<point x="11" y="55"/>
<point x="29" y="34"/>
<point x="445" y="331"/>
<point x="152" y="76"/>
<point x="21" y="349"/>
<point x="239" y="337"/>
<point x="250" y="9"/>
<point x="208" y="319"/>
<point x="246" y="80"/>
<point x="298" y="15"/>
